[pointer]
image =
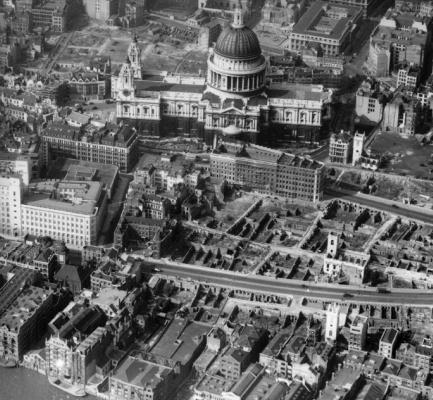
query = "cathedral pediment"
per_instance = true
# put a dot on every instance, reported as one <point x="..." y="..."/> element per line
<point x="233" y="111"/>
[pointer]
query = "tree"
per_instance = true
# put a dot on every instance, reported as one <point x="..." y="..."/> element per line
<point x="63" y="94"/>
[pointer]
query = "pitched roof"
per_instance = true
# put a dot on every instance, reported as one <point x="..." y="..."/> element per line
<point x="70" y="273"/>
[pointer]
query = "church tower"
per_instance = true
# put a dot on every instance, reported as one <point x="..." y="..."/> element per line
<point x="358" y="147"/>
<point x="125" y="81"/>
<point x="134" y="56"/>
<point x="332" y="322"/>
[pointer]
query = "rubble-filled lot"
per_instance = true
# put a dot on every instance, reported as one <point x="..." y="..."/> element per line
<point x="218" y="251"/>
<point x="165" y="46"/>
<point x="291" y="267"/>
<point x="232" y="210"/>
<point x="405" y="252"/>
<point x="265" y="220"/>
<point x="355" y="225"/>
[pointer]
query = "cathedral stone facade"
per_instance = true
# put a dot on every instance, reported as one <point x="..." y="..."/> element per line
<point x="233" y="100"/>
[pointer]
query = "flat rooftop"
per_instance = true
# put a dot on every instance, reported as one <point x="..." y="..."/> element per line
<point x="85" y="201"/>
<point x="342" y="383"/>
<point x="267" y="388"/>
<point x="109" y="296"/>
<point x="327" y="20"/>
<point x="214" y="384"/>
<point x="24" y="307"/>
<point x="386" y="34"/>
<point x="141" y="373"/>
<point x="264" y="154"/>
<point x="389" y="335"/>
<point x="249" y="377"/>
<point x="78" y="170"/>
<point x="158" y="86"/>
<point x="298" y="92"/>
<point x="180" y="340"/>
<point x="277" y="343"/>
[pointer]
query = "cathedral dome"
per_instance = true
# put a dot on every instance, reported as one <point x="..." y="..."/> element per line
<point x="238" y="43"/>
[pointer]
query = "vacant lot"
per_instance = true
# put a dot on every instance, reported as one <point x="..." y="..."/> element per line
<point x="406" y="156"/>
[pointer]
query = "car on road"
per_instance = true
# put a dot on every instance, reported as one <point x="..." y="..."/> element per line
<point x="347" y="295"/>
<point x="382" y="290"/>
<point x="306" y="288"/>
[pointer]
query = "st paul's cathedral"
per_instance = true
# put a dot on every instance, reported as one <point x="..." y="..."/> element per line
<point x="234" y="99"/>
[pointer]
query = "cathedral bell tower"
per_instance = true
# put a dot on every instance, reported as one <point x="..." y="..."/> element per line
<point x="125" y="83"/>
<point x="134" y="56"/>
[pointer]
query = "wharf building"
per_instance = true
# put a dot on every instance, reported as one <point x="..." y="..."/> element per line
<point x="233" y="100"/>
<point x="24" y="322"/>
<point x="77" y="347"/>
<point x="36" y="256"/>
<point x="142" y="379"/>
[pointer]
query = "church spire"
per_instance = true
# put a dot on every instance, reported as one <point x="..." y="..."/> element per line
<point x="238" y="19"/>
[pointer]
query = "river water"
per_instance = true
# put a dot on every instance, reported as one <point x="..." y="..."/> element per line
<point x="24" y="384"/>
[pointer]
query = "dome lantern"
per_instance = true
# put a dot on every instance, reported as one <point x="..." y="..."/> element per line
<point x="238" y="18"/>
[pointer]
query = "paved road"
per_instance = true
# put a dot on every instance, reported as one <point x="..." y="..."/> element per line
<point x="60" y="48"/>
<point x="321" y="154"/>
<point x="284" y="287"/>
<point x="400" y="209"/>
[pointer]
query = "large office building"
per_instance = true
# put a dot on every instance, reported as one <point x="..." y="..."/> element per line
<point x="69" y="211"/>
<point x="11" y="188"/>
<point x="23" y="5"/>
<point x="49" y="14"/>
<point x="340" y="146"/>
<point x="88" y="86"/>
<point x="388" y="342"/>
<point x="400" y="115"/>
<point x="234" y="99"/>
<point x="268" y="171"/>
<point x="358" y="333"/>
<point x="367" y="5"/>
<point x="401" y="39"/>
<point x="226" y="6"/>
<point x="107" y="145"/>
<point x="101" y="9"/>
<point x="369" y="101"/>
<point x="329" y="26"/>
<point x="16" y="164"/>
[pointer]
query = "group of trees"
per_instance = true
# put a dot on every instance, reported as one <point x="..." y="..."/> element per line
<point x="63" y="94"/>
